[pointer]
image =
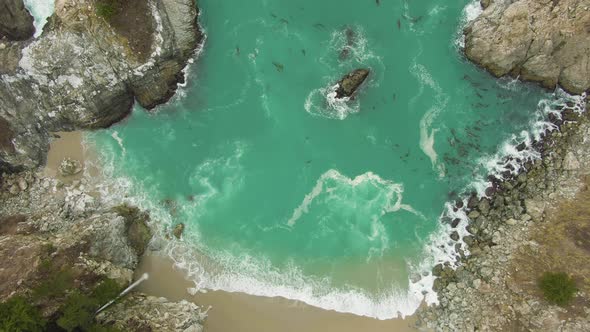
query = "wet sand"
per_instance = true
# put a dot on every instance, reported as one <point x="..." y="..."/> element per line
<point x="246" y="313"/>
<point x="70" y="145"/>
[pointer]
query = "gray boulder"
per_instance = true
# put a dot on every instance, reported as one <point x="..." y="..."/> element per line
<point x="16" y="23"/>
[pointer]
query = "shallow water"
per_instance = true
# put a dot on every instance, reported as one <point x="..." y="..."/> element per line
<point x="285" y="192"/>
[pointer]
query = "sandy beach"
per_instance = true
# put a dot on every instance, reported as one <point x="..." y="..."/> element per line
<point x="246" y="313"/>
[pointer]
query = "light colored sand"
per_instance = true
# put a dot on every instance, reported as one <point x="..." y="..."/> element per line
<point x="246" y="313"/>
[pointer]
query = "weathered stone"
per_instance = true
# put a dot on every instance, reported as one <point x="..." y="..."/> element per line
<point x="454" y="236"/>
<point x="473" y="214"/>
<point x="535" y="209"/>
<point x="81" y="73"/>
<point x="350" y="83"/>
<point x="537" y="41"/>
<point x="69" y="167"/>
<point x="178" y="230"/>
<point x="570" y="162"/>
<point x="511" y="221"/>
<point x="16" y="23"/>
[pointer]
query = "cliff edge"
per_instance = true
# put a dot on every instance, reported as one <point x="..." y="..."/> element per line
<point x="88" y="67"/>
<point x="541" y="41"/>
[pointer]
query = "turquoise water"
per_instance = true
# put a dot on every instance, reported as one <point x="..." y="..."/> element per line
<point x="285" y="192"/>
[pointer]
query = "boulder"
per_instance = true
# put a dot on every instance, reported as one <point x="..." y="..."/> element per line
<point x="178" y="230"/>
<point x="69" y="167"/>
<point x="350" y="83"/>
<point x="16" y="23"/>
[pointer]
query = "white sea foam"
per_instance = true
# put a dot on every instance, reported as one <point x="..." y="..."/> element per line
<point x="41" y="10"/>
<point x="470" y="13"/>
<point x="513" y="153"/>
<point x="257" y="276"/>
<point x="393" y="192"/>
<point x="427" y="131"/>
<point x="323" y="102"/>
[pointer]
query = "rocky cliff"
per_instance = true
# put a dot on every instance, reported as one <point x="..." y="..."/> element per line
<point x="16" y="23"/>
<point x="545" y="41"/>
<point x="87" y="68"/>
<point x="60" y="239"/>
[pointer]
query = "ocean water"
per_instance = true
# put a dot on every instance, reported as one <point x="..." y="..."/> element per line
<point x="41" y="10"/>
<point x="285" y="191"/>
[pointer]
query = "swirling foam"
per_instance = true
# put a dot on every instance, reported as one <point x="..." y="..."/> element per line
<point x="41" y="10"/>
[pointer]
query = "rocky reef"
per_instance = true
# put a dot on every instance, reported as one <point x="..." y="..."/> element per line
<point x="86" y="70"/>
<point x="541" y="41"/>
<point x="350" y="83"/>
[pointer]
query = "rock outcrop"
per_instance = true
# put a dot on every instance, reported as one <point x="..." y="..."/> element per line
<point x="85" y="72"/>
<point x="59" y="234"/>
<point x="16" y="23"/>
<point x="148" y="313"/>
<point x="350" y="83"/>
<point x="541" y="41"/>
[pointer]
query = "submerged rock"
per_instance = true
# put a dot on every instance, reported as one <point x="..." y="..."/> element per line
<point x="178" y="230"/>
<point x="350" y="83"/>
<point x="16" y="23"/>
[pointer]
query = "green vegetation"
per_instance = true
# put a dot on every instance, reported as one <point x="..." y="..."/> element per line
<point x="17" y="314"/>
<point x="57" y="282"/>
<point x="76" y="313"/>
<point x="558" y="288"/>
<point x="106" y="8"/>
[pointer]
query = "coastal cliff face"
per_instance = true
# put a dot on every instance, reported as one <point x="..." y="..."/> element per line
<point x="59" y="239"/>
<point x="545" y="41"/>
<point x="86" y="70"/>
<point x="15" y="21"/>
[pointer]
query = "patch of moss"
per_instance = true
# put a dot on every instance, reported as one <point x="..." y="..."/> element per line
<point x="557" y="287"/>
<point x="56" y="282"/>
<point x="17" y="314"/>
<point x="106" y="8"/>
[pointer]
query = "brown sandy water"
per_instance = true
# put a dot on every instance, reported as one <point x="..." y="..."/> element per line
<point x="70" y="145"/>
<point x="247" y="313"/>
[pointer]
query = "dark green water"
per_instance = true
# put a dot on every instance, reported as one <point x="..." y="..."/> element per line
<point x="285" y="192"/>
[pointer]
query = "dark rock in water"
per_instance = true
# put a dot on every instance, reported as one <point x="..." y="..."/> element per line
<point x="454" y="236"/>
<point x="348" y="85"/>
<point x="455" y="222"/>
<point x="178" y="230"/>
<point x="16" y="23"/>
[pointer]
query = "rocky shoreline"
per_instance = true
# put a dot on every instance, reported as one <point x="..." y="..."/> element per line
<point x="87" y="68"/>
<point x="494" y="288"/>
<point x="68" y="226"/>
<point x="62" y="245"/>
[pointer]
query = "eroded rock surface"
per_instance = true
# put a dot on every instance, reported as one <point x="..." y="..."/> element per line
<point x="84" y="72"/>
<point x="350" y="83"/>
<point x="16" y="23"/>
<point x="545" y="41"/>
